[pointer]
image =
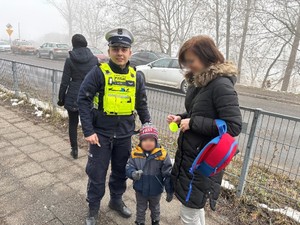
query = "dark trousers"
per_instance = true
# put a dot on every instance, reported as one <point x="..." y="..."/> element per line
<point x="142" y="205"/>
<point x="73" y="124"/>
<point x="117" y="151"/>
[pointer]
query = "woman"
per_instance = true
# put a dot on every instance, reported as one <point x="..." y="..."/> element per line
<point x="81" y="61"/>
<point x="210" y="96"/>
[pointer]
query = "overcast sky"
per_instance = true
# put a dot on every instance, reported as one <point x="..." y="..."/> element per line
<point x="36" y="18"/>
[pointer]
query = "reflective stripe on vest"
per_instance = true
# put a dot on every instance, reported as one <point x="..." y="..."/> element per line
<point x="119" y="92"/>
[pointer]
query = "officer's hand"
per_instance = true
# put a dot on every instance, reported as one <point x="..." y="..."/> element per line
<point x="169" y="197"/>
<point x="93" y="139"/>
<point x="136" y="175"/>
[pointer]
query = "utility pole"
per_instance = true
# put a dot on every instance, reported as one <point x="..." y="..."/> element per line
<point x="19" y="30"/>
<point x="228" y="24"/>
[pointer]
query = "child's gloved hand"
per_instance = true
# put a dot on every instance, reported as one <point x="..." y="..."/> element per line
<point x="136" y="175"/>
<point x="169" y="197"/>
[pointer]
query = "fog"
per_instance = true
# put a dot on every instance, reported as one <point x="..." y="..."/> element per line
<point x="36" y="18"/>
<point x="261" y="37"/>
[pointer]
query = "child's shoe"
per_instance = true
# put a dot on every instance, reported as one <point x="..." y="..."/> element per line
<point x="155" y="222"/>
<point x="137" y="223"/>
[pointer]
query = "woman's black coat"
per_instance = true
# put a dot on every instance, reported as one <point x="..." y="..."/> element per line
<point x="81" y="61"/>
<point x="210" y="96"/>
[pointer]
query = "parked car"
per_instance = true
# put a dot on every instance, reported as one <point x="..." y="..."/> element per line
<point x="53" y="50"/>
<point x="4" y="46"/>
<point x="164" y="72"/>
<point x="145" y="57"/>
<point x="22" y="47"/>
<point x="99" y="54"/>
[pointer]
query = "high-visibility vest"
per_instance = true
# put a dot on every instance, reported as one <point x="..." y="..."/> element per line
<point x="119" y="92"/>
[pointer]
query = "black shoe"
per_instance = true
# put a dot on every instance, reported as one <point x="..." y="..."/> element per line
<point x="137" y="223"/>
<point x="92" y="217"/>
<point x="74" y="152"/>
<point x="155" y="222"/>
<point x="121" y="208"/>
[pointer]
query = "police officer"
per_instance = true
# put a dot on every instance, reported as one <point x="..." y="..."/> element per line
<point x="108" y="99"/>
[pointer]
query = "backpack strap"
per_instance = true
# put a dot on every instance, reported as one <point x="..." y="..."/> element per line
<point x="222" y="127"/>
<point x="190" y="189"/>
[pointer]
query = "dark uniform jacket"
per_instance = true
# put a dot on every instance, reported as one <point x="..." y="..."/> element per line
<point x="95" y="120"/>
<point x="156" y="168"/>
<point x="81" y="61"/>
<point x="210" y="96"/>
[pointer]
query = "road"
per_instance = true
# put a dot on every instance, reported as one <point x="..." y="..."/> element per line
<point x="57" y="64"/>
<point x="247" y="101"/>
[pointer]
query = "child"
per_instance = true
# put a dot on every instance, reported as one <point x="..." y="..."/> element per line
<point x="150" y="168"/>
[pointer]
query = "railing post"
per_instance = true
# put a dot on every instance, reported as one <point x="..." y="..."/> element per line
<point x="248" y="153"/>
<point x="54" y="89"/>
<point x="15" y="79"/>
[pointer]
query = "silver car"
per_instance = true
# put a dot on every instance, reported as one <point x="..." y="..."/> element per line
<point x="53" y="51"/>
<point x="164" y="72"/>
<point x="4" y="46"/>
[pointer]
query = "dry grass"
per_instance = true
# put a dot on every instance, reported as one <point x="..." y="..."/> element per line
<point x="263" y="187"/>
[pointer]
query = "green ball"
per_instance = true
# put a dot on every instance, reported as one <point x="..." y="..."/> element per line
<point x="173" y="127"/>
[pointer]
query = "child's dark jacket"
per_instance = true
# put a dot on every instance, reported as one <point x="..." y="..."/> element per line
<point x="156" y="168"/>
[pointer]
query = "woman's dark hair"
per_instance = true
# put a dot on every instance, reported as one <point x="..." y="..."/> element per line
<point x="204" y="48"/>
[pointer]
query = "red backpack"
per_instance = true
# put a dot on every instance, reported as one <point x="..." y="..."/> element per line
<point x="215" y="156"/>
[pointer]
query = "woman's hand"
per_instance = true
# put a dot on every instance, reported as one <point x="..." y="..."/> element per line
<point x="185" y="125"/>
<point x="173" y="118"/>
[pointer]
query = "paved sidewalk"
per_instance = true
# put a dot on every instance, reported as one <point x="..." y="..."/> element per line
<point x="41" y="184"/>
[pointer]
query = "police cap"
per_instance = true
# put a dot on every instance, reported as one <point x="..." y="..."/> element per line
<point x="119" y="37"/>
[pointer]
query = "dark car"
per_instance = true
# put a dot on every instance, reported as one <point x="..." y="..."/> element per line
<point x="145" y="57"/>
<point x="99" y="54"/>
<point x="53" y="50"/>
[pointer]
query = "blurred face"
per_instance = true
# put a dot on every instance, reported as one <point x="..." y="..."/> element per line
<point x="193" y="63"/>
<point x="148" y="144"/>
<point x="119" y="55"/>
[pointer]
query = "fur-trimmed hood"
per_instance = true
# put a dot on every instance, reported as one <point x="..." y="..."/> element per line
<point x="226" y="69"/>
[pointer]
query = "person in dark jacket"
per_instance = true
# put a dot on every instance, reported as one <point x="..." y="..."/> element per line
<point x="81" y="61"/>
<point x="150" y="169"/>
<point x="108" y="98"/>
<point x="211" y="95"/>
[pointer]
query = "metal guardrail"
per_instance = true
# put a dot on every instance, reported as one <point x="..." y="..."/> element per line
<point x="267" y="168"/>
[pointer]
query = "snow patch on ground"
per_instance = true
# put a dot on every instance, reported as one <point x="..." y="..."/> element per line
<point x="227" y="185"/>
<point x="292" y="213"/>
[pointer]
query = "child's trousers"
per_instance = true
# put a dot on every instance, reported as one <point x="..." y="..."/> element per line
<point x="190" y="216"/>
<point x="142" y="205"/>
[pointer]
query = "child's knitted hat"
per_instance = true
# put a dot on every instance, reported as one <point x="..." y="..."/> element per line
<point x="148" y="131"/>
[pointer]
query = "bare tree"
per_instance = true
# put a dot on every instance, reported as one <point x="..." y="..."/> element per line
<point x="292" y="58"/>
<point x="165" y="23"/>
<point x="268" y="73"/>
<point x="228" y="25"/>
<point x="244" y="36"/>
<point x="217" y="3"/>
<point x="90" y="19"/>
<point x="67" y="9"/>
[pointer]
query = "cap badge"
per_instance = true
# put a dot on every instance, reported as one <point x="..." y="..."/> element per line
<point x="120" y="31"/>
